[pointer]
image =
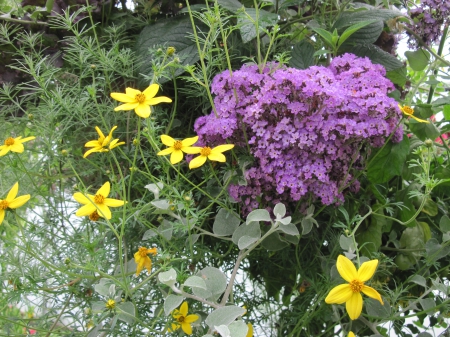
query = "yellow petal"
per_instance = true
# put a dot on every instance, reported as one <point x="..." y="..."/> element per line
<point x="4" y="150"/>
<point x="167" y="140"/>
<point x="351" y="334"/>
<point x="124" y="98"/>
<point x="17" y="147"/>
<point x="157" y="100"/>
<point x="19" y="201"/>
<point x="165" y="152"/>
<point x="148" y="264"/>
<point x="126" y="106"/>
<point x="100" y="133"/>
<point x="197" y="162"/>
<point x="25" y="139"/>
<point x="249" y="331"/>
<point x="339" y="294"/>
<point x="12" y="192"/>
<point x="130" y="92"/>
<point x="420" y="120"/>
<point x="104" y="190"/>
<point x="346" y="268"/>
<point x="354" y="306"/>
<point x="2" y="215"/>
<point x="222" y="148"/>
<point x="186" y="328"/>
<point x="184" y="309"/>
<point x="104" y="211"/>
<point x="115" y="144"/>
<point x="369" y="291"/>
<point x="151" y="91"/>
<point x="93" y="143"/>
<point x="189" y="141"/>
<point x="176" y="156"/>
<point x="95" y="149"/>
<point x="367" y="270"/>
<point x="174" y="327"/>
<point x="190" y="318"/>
<point x="192" y="149"/>
<point x="113" y="202"/>
<point x="217" y="157"/>
<point x="142" y="111"/>
<point x="86" y="210"/>
<point x="81" y="198"/>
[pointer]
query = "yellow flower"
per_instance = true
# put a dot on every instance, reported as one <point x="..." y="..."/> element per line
<point x="142" y="259"/>
<point x="250" y="330"/>
<point x="98" y="202"/>
<point x="183" y="320"/>
<point x="11" y="201"/>
<point x="350" y="292"/>
<point x="212" y="154"/>
<point x="110" y="304"/>
<point x="139" y="101"/>
<point x="177" y="147"/>
<point x="408" y="111"/>
<point x="100" y="144"/>
<point x="351" y="334"/>
<point x="14" y="145"/>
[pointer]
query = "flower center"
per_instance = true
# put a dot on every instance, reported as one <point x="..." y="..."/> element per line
<point x="99" y="199"/>
<point x="111" y="304"/>
<point x="143" y="251"/>
<point x="206" y="151"/>
<point x="408" y="110"/>
<point x="356" y="286"/>
<point x="94" y="216"/>
<point x="178" y="145"/>
<point x="3" y="204"/>
<point x="140" y="98"/>
<point x="9" y="141"/>
<point x="180" y="319"/>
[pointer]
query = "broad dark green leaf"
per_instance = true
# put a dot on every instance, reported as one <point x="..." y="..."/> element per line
<point x="424" y="130"/>
<point x="398" y="76"/>
<point x="368" y="34"/>
<point x="350" y="18"/>
<point x="353" y="29"/>
<point x="446" y="112"/>
<point x="273" y="242"/>
<point x="376" y="55"/>
<point x="408" y="210"/>
<point x="418" y="60"/>
<point x="369" y="238"/>
<point x="247" y="20"/>
<point x="302" y="56"/>
<point x="388" y="162"/>
<point x="232" y="5"/>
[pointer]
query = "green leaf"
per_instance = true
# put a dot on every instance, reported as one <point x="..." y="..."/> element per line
<point x="446" y="112"/>
<point x="349" y="18"/>
<point x="375" y="309"/>
<point x="215" y="282"/>
<point x="289" y="229"/>
<point x="251" y="232"/>
<point x="369" y="238"/>
<point x="302" y="55"/>
<point x="388" y="162"/>
<point x="171" y="302"/>
<point x="354" y="28"/>
<point x="279" y="210"/>
<point x="419" y="59"/>
<point x="427" y="303"/>
<point x="326" y="35"/>
<point x="247" y="20"/>
<point x="168" y="277"/>
<point x="423" y="130"/>
<point x="238" y="329"/>
<point x="423" y="110"/>
<point x="171" y="32"/>
<point x="376" y="55"/>
<point x="127" y="312"/>
<point x="258" y="215"/>
<point x="444" y="223"/>
<point x="273" y="242"/>
<point x="420" y="280"/>
<point x="224" y="315"/>
<point x="195" y="282"/>
<point x="225" y="223"/>
<point x="232" y="5"/>
<point x="398" y="76"/>
<point x="436" y="251"/>
<point x="408" y="210"/>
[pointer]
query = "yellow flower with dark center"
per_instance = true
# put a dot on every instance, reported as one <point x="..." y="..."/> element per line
<point x="177" y="147"/>
<point x="206" y="152"/>
<point x="102" y="141"/>
<point x="408" y="111"/>
<point x="350" y="292"/>
<point x="182" y="319"/>
<point x="14" y="145"/>
<point x="110" y="304"/>
<point x="139" y="101"/>
<point x="11" y="201"/>
<point x="142" y="260"/>
<point x="98" y="202"/>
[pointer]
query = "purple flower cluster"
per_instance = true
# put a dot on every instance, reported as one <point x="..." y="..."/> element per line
<point x="305" y="128"/>
<point x="427" y="21"/>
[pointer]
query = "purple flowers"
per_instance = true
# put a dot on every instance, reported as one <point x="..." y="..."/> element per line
<point x="428" y="19"/>
<point x="305" y="128"/>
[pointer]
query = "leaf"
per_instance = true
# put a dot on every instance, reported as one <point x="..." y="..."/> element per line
<point x="253" y="231"/>
<point x="375" y="309"/>
<point x="168" y="277"/>
<point x="103" y="287"/>
<point x="420" y="280"/>
<point x="435" y="251"/>
<point x="215" y="282"/>
<point x="419" y="59"/>
<point x="398" y="76"/>
<point x="247" y="20"/>
<point x="127" y="312"/>
<point x="388" y="162"/>
<point x="423" y="130"/>
<point x="171" y="302"/>
<point x="427" y="303"/>
<point x="353" y="29"/>
<point x="195" y="282"/>
<point x="238" y="329"/>
<point x="95" y="330"/>
<point x="273" y="242"/>
<point x="302" y="55"/>
<point x="446" y="112"/>
<point x="279" y="210"/>
<point x="326" y="35"/>
<point x="232" y="5"/>
<point x="366" y="35"/>
<point x="369" y="238"/>
<point x="376" y="55"/>
<point x="444" y="223"/>
<point x="289" y="229"/>
<point x="245" y="241"/>
<point x="351" y="17"/>
<point x="225" y="223"/>
<point x="224" y="315"/>
<point x="258" y="215"/>
<point x="155" y="188"/>
<point x="222" y="330"/>
<point x="346" y="243"/>
<point x="173" y="32"/>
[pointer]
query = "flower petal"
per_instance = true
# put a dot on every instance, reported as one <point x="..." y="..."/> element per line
<point x="354" y="306"/>
<point x="151" y="91"/>
<point x="19" y="201"/>
<point x="197" y="162"/>
<point x="420" y="120"/>
<point x="222" y="148"/>
<point x="369" y="291"/>
<point x="12" y="192"/>
<point x="189" y="141"/>
<point x="100" y="133"/>
<point x="94" y="149"/>
<point x="176" y="156"/>
<point x="351" y="334"/>
<point x="113" y="202"/>
<point x="126" y="106"/>
<point x="2" y="215"/>
<point x="17" y="147"/>
<point x="367" y="270"/>
<point x="157" y="100"/>
<point x="184" y="309"/>
<point x="115" y="143"/>
<point x="339" y="294"/>
<point x="26" y="139"/>
<point x="165" y="152"/>
<point x="4" y="150"/>
<point x="86" y="210"/>
<point x="192" y="149"/>
<point x="167" y="140"/>
<point x="217" y="157"/>
<point x="142" y="111"/>
<point x="81" y="198"/>
<point x="346" y="268"/>
<point x="104" y="211"/>
<point x="93" y="143"/>
<point x="148" y="264"/>
<point x="130" y="92"/>
<point x="104" y="190"/>
<point x="124" y="98"/>
<point x="186" y="328"/>
<point x="190" y="318"/>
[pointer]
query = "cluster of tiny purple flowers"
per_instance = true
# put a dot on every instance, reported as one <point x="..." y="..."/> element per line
<point x="305" y="128"/>
<point x="427" y="21"/>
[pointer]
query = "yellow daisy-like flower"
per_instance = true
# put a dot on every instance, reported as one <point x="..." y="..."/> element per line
<point x="142" y="259"/>
<point x="14" y="145"/>
<point x="250" y="330"/>
<point x="98" y="202"/>
<point x="408" y="111"/>
<point x="177" y="147"/>
<point x="11" y="201"/>
<point x="350" y="292"/>
<point x="110" y="304"/>
<point x="351" y="334"/>
<point x="182" y="319"/>
<point x="206" y="152"/>
<point x="102" y="141"/>
<point x="139" y="101"/>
